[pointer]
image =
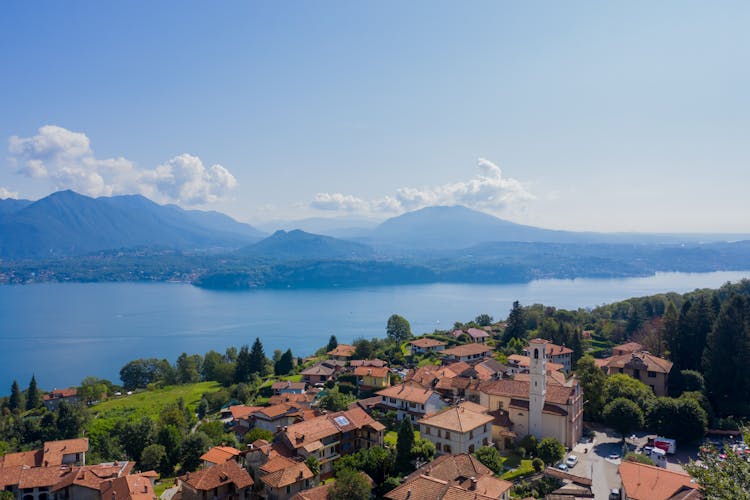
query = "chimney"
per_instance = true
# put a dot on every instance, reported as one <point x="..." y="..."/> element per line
<point x="473" y="484"/>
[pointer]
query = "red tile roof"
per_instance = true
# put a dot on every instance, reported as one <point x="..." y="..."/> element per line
<point x="343" y="350"/>
<point x="131" y="487"/>
<point x="289" y="385"/>
<point x="425" y="343"/>
<point x="60" y="393"/>
<point x="220" y="454"/>
<point x="406" y="392"/>
<point x="650" y="362"/>
<point x="55" y="450"/>
<point x="218" y="475"/>
<point x="280" y="472"/>
<point x="556" y="394"/>
<point x="476" y="333"/>
<point x="646" y="482"/>
<point x="371" y="371"/>
<point x="466" y="350"/>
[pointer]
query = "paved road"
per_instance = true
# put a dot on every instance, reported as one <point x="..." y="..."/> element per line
<point x="596" y="465"/>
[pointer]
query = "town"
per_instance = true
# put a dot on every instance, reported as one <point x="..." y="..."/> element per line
<point x="481" y="411"/>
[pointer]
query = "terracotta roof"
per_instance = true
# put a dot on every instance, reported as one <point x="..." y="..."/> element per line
<point x="646" y="482"/>
<point x="425" y="343"/>
<point x="55" y="450"/>
<point x="476" y="333"/>
<point x="556" y="394"/>
<point x="40" y="477"/>
<point x="317" y="493"/>
<point x="91" y="476"/>
<point x="551" y="409"/>
<point x="525" y="362"/>
<point x="275" y="411"/>
<point x="131" y="487"/>
<point x="501" y="418"/>
<point x="457" y="419"/>
<point x="242" y="411"/>
<point x="448" y="384"/>
<point x="628" y="347"/>
<point x="367" y="362"/>
<point x="407" y="393"/>
<point x="10" y="475"/>
<point x="218" y="475"/>
<point x="28" y="458"/>
<point x="294" y="399"/>
<point x="288" y="384"/>
<point x="430" y="488"/>
<point x="280" y="472"/>
<point x="652" y="363"/>
<point x="371" y="371"/>
<point x="308" y="433"/>
<point x="319" y="369"/>
<point x="220" y="454"/>
<point x="553" y="349"/>
<point x="457" y="368"/>
<point x="466" y="350"/>
<point x="60" y="393"/>
<point x="452" y="468"/>
<point x="343" y="350"/>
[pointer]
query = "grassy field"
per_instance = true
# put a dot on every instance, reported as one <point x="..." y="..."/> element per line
<point x="150" y="403"/>
<point x="518" y="467"/>
<point x="163" y="484"/>
<point x="391" y="437"/>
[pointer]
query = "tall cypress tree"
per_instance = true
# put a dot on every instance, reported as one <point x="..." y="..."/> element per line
<point x="285" y="364"/>
<point x="696" y="321"/>
<point x="16" y="397"/>
<point x="333" y="343"/>
<point x="244" y="365"/>
<point x="516" y="328"/>
<point x="670" y="330"/>
<point x="404" y="444"/>
<point x="258" y="360"/>
<point x="33" y="399"/>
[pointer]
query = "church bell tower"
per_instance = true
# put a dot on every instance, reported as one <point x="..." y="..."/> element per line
<point x="537" y="385"/>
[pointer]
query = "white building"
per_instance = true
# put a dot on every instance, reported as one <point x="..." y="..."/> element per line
<point x="410" y="400"/>
<point x="459" y="429"/>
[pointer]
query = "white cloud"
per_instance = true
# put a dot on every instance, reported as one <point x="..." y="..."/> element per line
<point x="488" y="191"/>
<point x="66" y="160"/>
<point x="5" y="193"/>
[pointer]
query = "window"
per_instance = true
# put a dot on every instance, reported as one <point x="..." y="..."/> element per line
<point x="636" y="373"/>
<point x="500" y="405"/>
<point x="536" y="353"/>
<point x="621" y="370"/>
<point x="393" y="400"/>
<point x="427" y="431"/>
<point x="447" y="435"/>
<point x="471" y="434"/>
<point x="440" y="433"/>
<point x="447" y="448"/>
<point x="471" y="448"/>
<point x="484" y="429"/>
<point x="438" y="447"/>
<point x="288" y="489"/>
<point x="412" y="405"/>
<point x="651" y="374"/>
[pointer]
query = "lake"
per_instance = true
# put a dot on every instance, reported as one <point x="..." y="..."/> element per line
<point x="65" y="332"/>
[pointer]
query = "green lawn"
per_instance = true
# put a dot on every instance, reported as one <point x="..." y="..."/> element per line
<point x="292" y="378"/>
<point x="150" y="403"/>
<point x="391" y="437"/>
<point x="163" y="484"/>
<point x="517" y="466"/>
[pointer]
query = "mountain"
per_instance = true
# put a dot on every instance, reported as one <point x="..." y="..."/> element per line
<point x="338" y="227"/>
<point x="11" y="205"/>
<point x="67" y="223"/>
<point x="457" y="227"/>
<point x="299" y="245"/>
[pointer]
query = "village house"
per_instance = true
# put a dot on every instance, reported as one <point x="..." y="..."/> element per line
<point x="463" y="428"/>
<point x="272" y="418"/>
<point x="426" y="345"/>
<point x="85" y="482"/>
<point x="627" y="348"/>
<point x="371" y="378"/>
<point x="219" y="454"/>
<point x="647" y="482"/>
<point x="130" y="487"/>
<point x="52" y="399"/>
<point x="540" y="403"/>
<point x="518" y="363"/>
<point x="299" y="400"/>
<point x="283" y="477"/>
<point x="466" y="352"/>
<point x="452" y="477"/>
<point x="410" y="400"/>
<point x="331" y="436"/>
<point x="429" y="375"/>
<point x="342" y="352"/>
<point x="558" y="354"/>
<point x="642" y="365"/>
<point x="227" y="481"/>
<point x="320" y="373"/>
<point x="288" y="387"/>
<point x="367" y="362"/>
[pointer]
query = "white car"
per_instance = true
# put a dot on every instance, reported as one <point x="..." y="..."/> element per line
<point x="571" y="461"/>
<point x="562" y="466"/>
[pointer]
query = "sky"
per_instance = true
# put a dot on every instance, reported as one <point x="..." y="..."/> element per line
<point x="604" y="116"/>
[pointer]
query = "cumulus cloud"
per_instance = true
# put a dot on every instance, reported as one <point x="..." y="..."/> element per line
<point x="66" y="160"/>
<point x="488" y="191"/>
<point x="5" y="193"/>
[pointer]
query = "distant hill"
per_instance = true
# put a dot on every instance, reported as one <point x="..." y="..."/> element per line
<point x="67" y="223"/>
<point x="10" y="205"/>
<point x="338" y="227"/>
<point x="458" y="227"/>
<point x="299" y="245"/>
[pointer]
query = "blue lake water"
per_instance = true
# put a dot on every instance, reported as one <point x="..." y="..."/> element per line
<point x="65" y="332"/>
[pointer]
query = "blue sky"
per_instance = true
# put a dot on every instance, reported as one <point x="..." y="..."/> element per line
<point x="615" y="116"/>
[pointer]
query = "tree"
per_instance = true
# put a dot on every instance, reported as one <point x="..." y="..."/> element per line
<point x="15" y="402"/>
<point x="135" y="436"/>
<point x="193" y="446"/>
<point x="70" y="420"/>
<point x="516" y="328"/>
<point x="483" y="320"/>
<point x="691" y="421"/>
<point x="725" y="358"/>
<point x="490" y="458"/>
<point x="33" y="398"/>
<point x="538" y="464"/>
<point x="211" y="362"/>
<point x="258" y="360"/>
<point x="620" y="385"/>
<point x="623" y="415"/>
<point x="404" y="444"/>
<point x="592" y="380"/>
<point x="244" y="367"/>
<point x="695" y="323"/>
<point x="171" y="439"/>
<point x="662" y="417"/>
<point x="550" y="450"/>
<point x="93" y="389"/>
<point x="576" y="345"/>
<point x="257" y="433"/>
<point x="350" y="485"/>
<point x="335" y="400"/>
<point x="423" y="450"/>
<point x="671" y="329"/>
<point x="638" y="457"/>
<point x="724" y="478"/>
<point x="332" y="344"/>
<point x="285" y="363"/>
<point x="313" y="464"/>
<point x="398" y="328"/>
<point x="152" y="457"/>
<point x="188" y="368"/>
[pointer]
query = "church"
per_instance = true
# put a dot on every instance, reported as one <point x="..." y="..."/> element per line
<point x="543" y="402"/>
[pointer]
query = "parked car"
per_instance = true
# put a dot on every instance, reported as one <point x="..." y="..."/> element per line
<point x="614" y="494"/>
<point x="614" y="456"/>
<point x="562" y="467"/>
<point x="571" y="461"/>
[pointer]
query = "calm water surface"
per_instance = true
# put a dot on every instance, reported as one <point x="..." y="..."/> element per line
<point x="65" y="332"/>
